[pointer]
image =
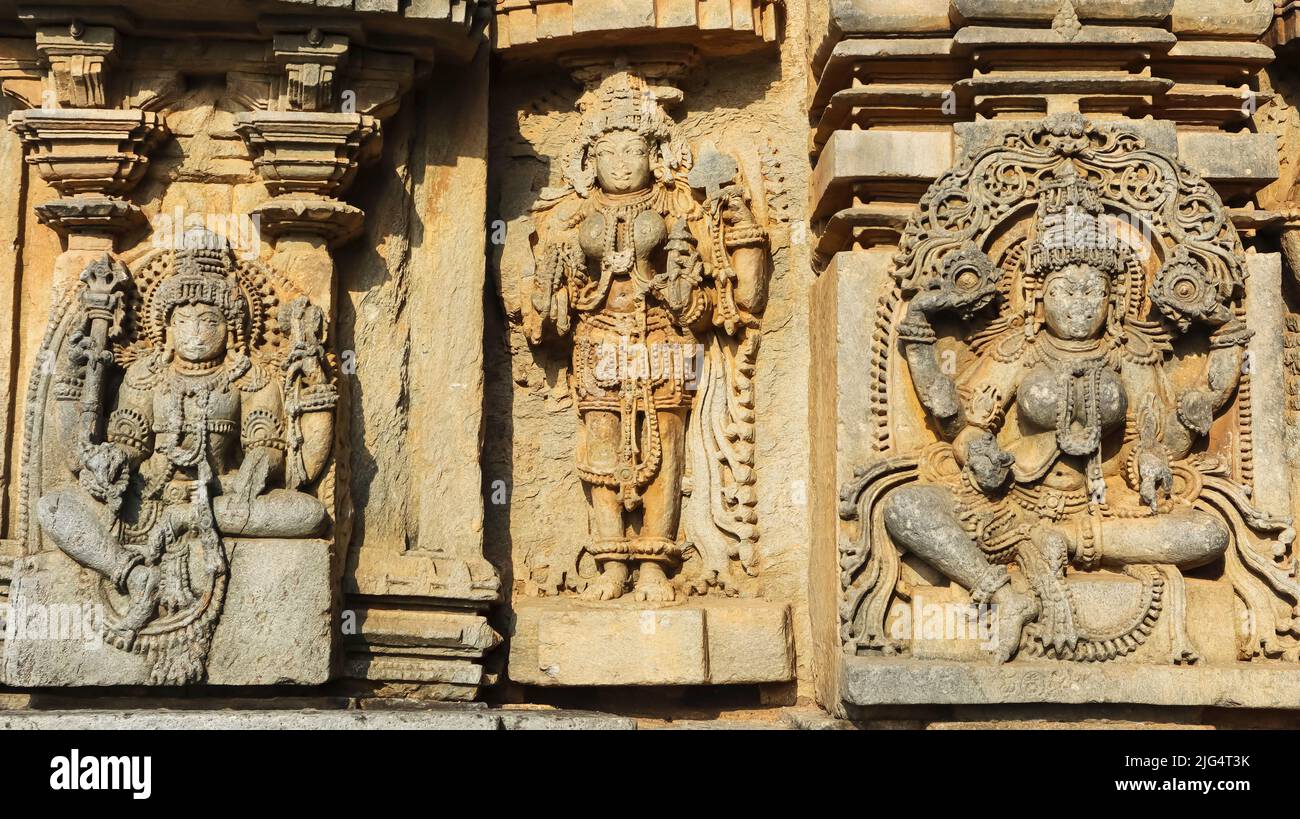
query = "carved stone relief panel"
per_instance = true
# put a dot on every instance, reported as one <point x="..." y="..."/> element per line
<point x="180" y="430"/>
<point x="635" y="286"/>
<point x="1070" y="435"/>
<point x="185" y="479"/>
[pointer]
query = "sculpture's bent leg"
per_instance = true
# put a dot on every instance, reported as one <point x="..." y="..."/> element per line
<point x="1187" y="538"/>
<point x="923" y="520"/>
<point x="600" y="450"/>
<point x="663" y="507"/>
<point x="278" y="513"/>
<point x="78" y="526"/>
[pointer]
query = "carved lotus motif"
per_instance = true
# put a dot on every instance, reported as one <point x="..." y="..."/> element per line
<point x="1184" y="292"/>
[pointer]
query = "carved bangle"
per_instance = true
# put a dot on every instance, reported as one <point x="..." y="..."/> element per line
<point x="1089" y="556"/>
<point x="1233" y="334"/>
<point x="68" y="388"/>
<point x="317" y="401"/>
<point x="916" y="331"/>
<point x="993" y="579"/>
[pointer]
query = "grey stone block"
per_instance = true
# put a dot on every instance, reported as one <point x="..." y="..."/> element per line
<point x="893" y="681"/>
<point x="1236" y="161"/>
<point x="274" y="629"/>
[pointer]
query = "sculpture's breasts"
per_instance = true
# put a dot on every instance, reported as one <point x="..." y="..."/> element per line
<point x="1047" y="395"/>
<point x="626" y="246"/>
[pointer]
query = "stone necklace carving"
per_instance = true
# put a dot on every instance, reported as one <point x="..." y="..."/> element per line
<point x="1079" y="387"/>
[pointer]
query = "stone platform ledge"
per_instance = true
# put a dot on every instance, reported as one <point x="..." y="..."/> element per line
<point x="878" y="681"/>
<point x="467" y="718"/>
<point x="698" y="641"/>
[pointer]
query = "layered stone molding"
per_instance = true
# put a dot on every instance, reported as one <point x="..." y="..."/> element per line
<point x="542" y="26"/>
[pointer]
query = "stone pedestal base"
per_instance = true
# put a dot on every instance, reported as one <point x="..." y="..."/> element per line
<point x="563" y="641"/>
<point x="883" y="681"/>
<point x="941" y="623"/>
<point x="274" y="629"/>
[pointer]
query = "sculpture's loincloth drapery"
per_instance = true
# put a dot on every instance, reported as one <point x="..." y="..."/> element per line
<point x="634" y="365"/>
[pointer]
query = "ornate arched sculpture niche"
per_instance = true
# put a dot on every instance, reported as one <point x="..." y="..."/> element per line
<point x="184" y="398"/>
<point x="1061" y="394"/>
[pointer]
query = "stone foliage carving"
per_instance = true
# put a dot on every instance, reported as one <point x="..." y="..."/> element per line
<point x="652" y="265"/>
<point x="1067" y="324"/>
<point x="183" y="401"/>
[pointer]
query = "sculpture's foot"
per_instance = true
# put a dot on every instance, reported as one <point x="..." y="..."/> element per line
<point x="611" y="583"/>
<point x="652" y="584"/>
<point x="1013" y="611"/>
<point x="142" y="587"/>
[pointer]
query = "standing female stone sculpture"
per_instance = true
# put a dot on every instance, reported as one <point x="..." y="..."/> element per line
<point x="641" y="269"/>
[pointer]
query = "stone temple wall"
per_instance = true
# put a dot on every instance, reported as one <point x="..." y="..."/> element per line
<point x="785" y="361"/>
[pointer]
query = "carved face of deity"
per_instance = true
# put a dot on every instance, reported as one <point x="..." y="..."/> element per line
<point x="623" y="162"/>
<point x="1075" y="302"/>
<point x="198" y="332"/>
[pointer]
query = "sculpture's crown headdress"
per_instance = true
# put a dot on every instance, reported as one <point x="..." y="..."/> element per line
<point x="203" y="274"/>
<point x="624" y="102"/>
<point x="1071" y="227"/>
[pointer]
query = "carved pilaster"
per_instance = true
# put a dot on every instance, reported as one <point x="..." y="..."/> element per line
<point x="92" y="157"/>
<point x="74" y="135"/>
<point x="78" y="58"/>
<point x="307" y="160"/>
<point x="411" y="617"/>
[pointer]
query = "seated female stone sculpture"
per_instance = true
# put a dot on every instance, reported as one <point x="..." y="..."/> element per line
<point x="1065" y="430"/>
<point x="195" y="448"/>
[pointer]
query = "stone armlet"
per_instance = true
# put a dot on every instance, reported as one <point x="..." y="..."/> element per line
<point x="128" y="428"/>
<point x="316" y="398"/>
<point x="745" y="236"/>
<point x="262" y="429"/>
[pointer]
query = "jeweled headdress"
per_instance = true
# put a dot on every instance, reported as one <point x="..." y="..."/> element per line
<point x="203" y="274"/>
<point x="624" y="102"/>
<point x="1071" y="227"/>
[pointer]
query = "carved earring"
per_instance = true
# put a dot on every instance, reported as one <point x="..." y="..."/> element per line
<point x="660" y="167"/>
<point x="1031" y="308"/>
<point x="581" y="174"/>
